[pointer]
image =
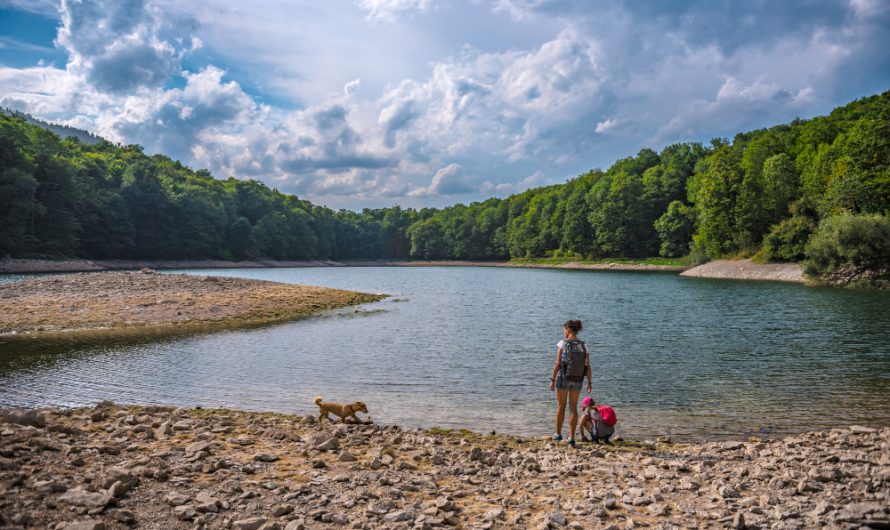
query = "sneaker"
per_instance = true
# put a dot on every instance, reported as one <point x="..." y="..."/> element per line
<point x="557" y="437"/>
<point x="572" y="442"/>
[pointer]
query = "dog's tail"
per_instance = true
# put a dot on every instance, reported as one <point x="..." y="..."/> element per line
<point x="318" y="400"/>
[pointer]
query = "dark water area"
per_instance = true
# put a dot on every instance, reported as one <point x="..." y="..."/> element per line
<point x="465" y="347"/>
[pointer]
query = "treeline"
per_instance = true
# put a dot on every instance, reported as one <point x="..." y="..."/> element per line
<point x="789" y="193"/>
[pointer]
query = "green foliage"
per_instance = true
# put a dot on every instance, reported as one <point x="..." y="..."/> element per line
<point x="851" y="248"/>
<point x="767" y="190"/>
<point x="675" y="229"/>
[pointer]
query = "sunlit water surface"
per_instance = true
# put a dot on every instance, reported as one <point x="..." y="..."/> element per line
<point x="465" y="347"/>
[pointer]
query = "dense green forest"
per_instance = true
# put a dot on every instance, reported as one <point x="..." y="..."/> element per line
<point x="815" y="190"/>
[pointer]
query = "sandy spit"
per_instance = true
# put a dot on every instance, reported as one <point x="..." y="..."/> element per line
<point x="127" y="301"/>
<point x="748" y="270"/>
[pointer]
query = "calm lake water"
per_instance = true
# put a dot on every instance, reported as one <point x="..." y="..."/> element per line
<point x="465" y="347"/>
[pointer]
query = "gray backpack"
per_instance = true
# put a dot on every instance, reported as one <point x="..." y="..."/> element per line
<point x="574" y="360"/>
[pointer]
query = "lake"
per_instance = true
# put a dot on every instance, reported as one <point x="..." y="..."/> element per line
<point x="472" y="347"/>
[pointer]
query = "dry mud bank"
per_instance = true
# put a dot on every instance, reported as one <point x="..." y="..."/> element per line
<point x="118" y="301"/>
<point x="112" y="467"/>
<point x="746" y="269"/>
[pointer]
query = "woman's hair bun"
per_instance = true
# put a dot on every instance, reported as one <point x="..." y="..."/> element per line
<point x="574" y="325"/>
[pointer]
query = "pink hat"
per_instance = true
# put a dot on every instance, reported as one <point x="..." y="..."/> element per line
<point x="587" y="401"/>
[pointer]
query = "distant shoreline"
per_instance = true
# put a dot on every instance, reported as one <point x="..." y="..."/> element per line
<point x="717" y="269"/>
<point x="24" y="266"/>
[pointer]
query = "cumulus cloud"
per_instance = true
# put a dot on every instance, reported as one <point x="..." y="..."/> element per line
<point x="517" y="103"/>
<point x="449" y="180"/>
<point x="604" y="126"/>
<point x="116" y="44"/>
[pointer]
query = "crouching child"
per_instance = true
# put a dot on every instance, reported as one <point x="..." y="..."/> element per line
<point x="597" y="420"/>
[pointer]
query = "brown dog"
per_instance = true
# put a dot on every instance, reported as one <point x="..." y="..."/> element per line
<point x="346" y="412"/>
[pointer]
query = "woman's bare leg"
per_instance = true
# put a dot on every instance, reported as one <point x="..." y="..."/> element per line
<point x="561" y="396"/>
<point x="573" y="411"/>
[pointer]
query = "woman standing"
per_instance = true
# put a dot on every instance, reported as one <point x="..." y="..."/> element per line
<point x="572" y="364"/>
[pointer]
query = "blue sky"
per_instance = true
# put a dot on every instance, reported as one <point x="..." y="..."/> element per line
<point x="371" y="103"/>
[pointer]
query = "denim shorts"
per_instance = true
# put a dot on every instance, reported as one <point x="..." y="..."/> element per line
<point x="562" y="384"/>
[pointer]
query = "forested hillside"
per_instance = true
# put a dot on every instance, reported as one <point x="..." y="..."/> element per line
<point x="768" y="190"/>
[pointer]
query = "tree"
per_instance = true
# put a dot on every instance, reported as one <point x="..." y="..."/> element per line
<point x="675" y="229"/>
<point x="850" y="248"/>
<point x="714" y="191"/>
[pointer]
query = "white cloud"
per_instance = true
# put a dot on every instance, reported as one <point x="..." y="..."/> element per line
<point x="605" y="125"/>
<point x="388" y="10"/>
<point x="48" y="8"/>
<point x="449" y="180"/>
<point x="116" y="44"/>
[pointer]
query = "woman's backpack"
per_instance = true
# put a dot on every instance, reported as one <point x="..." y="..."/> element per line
<point x="574" y="365"/>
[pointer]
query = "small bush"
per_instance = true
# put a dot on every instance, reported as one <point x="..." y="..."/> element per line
<point x="788" y="240"/>
<point x="851" y="249"/>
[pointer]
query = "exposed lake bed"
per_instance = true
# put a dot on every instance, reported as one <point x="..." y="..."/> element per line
<point x="133" y="302"/>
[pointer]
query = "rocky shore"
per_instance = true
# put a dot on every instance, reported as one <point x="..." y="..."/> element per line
<point x="745" y="269"/>
<point x="138" y="301"/>
<point x="115" y="467"/>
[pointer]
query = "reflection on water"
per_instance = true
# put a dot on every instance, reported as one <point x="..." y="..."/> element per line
<point x="472" y="347"/>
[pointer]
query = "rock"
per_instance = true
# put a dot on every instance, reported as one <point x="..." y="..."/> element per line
<point x="117" y="490"/>
<point x="204" y="503"/>
<point x="182" y="425"/>
<point x="339" y="519"/>
<point x="401" y="515"/>
<point x="29" y="418"/>
<point x="829" y="474"/>
<point x="609" y="502"/>
<point x="164" y="430"/>
<point x="86" y="499"/>
<point x="733" y="445"/>
<point x="495" y="514"/>
<point x="253" y="523"/>
<point x="176" y="499"/>
<point x="282" y="510"/>
<point x="328" y="444"/>
<point x="186" y="512"/>
<point x="738" y="521"/>
<point x="295" y="525"/>
<point x="859" y="429"/>
<point x="728" y="493"/>
<point x="123" y="516"/>
<point x="346" y="457"/>
<point x="265" y="457"/>
<point x="407" y="466"/>
<point x="556" y="517"/>
<point x="119" y="474"/>
<point x="82" y="525"/>
<point x="197" y="447"/>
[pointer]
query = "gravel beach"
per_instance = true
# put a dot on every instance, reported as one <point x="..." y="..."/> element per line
<point x="115" y="467"/>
